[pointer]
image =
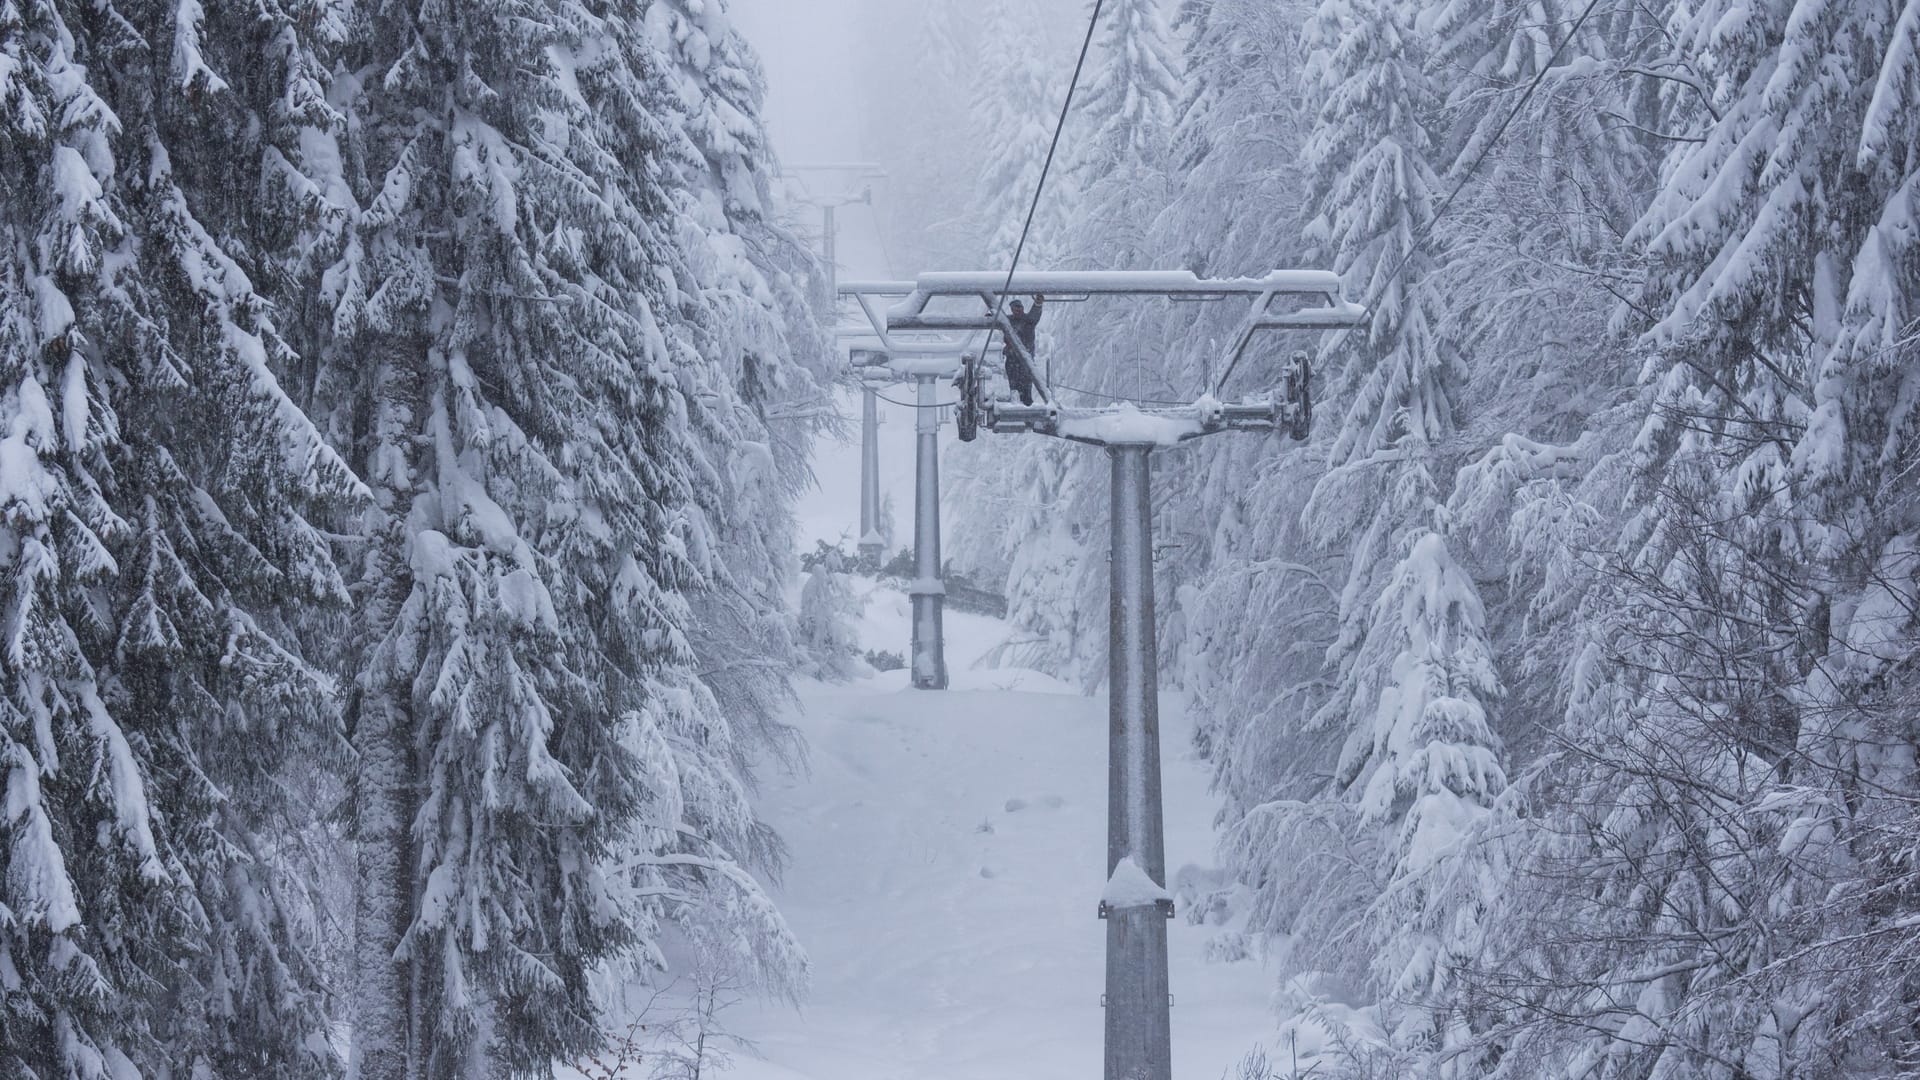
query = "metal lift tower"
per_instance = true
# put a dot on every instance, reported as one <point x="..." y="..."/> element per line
<point x="926" y="363"/>
<point x="865" y="172"/>
<point x="1138" y="1035"/>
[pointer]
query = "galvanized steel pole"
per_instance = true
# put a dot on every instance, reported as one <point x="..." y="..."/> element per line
<point x="870" y="544"/>
<point x="929" y="590"/>
<point x="1139" y="1038"/>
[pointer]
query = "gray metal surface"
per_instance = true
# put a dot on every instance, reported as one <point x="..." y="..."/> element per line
<point x="869" y="538"/>
<point x="928" y="590"/>
<point x="1185" y="422"/>
<point x="1138" y="1036"/>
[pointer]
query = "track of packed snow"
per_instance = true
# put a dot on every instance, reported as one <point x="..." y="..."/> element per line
<point x="948" y="861"/>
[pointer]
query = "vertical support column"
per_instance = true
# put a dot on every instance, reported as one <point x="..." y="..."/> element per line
<point x="830" y="254"/>
<point x="1139" y="1039"/>
<point x="929" y="589"/>
<point x="871" y="546"/>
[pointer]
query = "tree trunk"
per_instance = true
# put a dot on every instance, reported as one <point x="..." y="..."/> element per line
<point x="382" y="1009"/>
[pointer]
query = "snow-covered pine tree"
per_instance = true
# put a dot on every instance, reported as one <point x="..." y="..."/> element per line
<point x="543" y="777"/>
<point x="752" y="357"/>
<point x="1370" y="156"/>
<point x="1049" y="541"/>
<point x="1014" y="108"/>
<point x="829" y="612"/>
<point x="1420" y="760"/>
<point x="158" y="485"/>
<point x="1117" y="171"/>
<point x="1754" y="629"/>
<point x="1429" y="761"/>
<point x="1124" y="120"/>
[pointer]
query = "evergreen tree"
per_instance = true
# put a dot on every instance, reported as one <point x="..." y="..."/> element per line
<point x="1050" y="605"/>
<point x="1015" y="108"/>
<point x="756" y="362"/>
<point x="1126" y="113"/>
<point x="828" y="613"/>
<point x="543" y="777"/>
<point x="1375" y="186"/>
<point x="1117" y="174"/>
<point x="1743" y="638"/>
<point x="158" y="492"/>
<point x="1420" y="763"/>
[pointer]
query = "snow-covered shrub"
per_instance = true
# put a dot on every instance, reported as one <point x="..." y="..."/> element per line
<point x="829" y="615"/>
<point x="885" y="660"/>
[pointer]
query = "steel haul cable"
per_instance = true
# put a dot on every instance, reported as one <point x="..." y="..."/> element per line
<point x="1040" y="188"/>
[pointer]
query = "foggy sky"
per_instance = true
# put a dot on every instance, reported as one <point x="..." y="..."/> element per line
<point x="810" y="51"/>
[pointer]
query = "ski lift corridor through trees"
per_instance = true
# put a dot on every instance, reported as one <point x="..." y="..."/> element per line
<point x="1135" y="903"/>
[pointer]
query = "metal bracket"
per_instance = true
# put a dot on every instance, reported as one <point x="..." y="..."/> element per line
<point x="1164" y="906"/>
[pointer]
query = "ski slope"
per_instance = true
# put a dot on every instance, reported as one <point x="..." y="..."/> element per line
<point x="948" y="858"/>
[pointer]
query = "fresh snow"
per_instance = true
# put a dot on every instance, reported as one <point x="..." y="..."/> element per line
<point x="946" y="846"/>
<point x="1127" y="424"/>
<point x="1130" y="281"/>
<point x="1130" y="887"/>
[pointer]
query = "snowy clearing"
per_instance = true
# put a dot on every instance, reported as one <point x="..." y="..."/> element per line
<point x="948" y="861"/>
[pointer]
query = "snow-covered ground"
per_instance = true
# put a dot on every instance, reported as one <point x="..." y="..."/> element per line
<point x="948" y="857"/>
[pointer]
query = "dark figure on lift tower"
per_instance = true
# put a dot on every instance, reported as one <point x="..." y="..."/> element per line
<point x="1019" y="375"/>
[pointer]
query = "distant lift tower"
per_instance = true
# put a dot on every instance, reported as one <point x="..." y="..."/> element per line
<point x="926" y="363"/>
<point x="1138" y="1036"/>
<point x="865" y="173"/>
<point x="871" y="547"/>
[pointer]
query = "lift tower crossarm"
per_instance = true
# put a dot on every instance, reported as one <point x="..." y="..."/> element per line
<point x="1120" y="283"/>
<point x="865" y="293"/>
<point x="876" y="288"/>
<point x="914" y="312"/>
<point x="1126" y="425"/>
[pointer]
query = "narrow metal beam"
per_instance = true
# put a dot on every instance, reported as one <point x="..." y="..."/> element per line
<point x="870" y="544"/>
<point x="929" y="590"/>
<point x="830" y="254"/>
<point x="1139" y="1036"/>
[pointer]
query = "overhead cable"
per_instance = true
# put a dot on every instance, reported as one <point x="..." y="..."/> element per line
<point x="1039" y="188"/>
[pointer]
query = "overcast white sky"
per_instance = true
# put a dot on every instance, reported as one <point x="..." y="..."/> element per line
<point x="810" y="50"/>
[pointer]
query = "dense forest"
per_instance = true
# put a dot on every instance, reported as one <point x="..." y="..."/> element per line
<point x="401" y="408"/>
<point x="1575" y="650"/>
<point x="404" y="407"/>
